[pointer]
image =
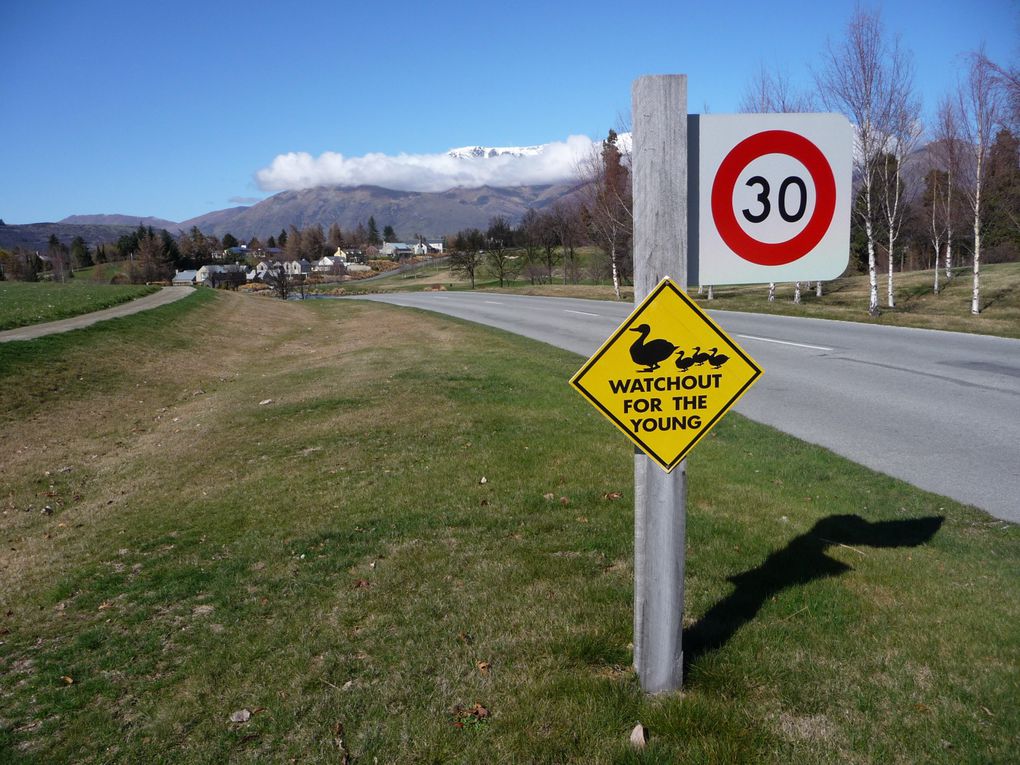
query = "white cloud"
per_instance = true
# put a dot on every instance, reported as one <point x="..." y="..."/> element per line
<point x="550" y="163"/>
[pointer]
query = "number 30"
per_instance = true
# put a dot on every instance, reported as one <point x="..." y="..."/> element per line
<point x="766" y="205"/>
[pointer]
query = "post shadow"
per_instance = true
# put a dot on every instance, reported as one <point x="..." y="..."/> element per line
<point x="803" y="560"/>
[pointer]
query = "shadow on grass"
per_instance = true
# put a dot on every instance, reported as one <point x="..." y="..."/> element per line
<point x="803" y="560"/>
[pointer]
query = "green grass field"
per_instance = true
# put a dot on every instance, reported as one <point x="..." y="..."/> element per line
<point x="25" y="303"/>
<point x="294" y="531"/>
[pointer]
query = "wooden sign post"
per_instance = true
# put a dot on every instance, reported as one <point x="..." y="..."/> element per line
<point x="660" y="498"/>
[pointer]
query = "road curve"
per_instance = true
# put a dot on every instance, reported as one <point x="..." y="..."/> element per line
<point x="156" y="299"/>
<point x="940" y="410"/>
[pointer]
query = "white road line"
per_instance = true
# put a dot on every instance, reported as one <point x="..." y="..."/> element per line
<point x="582" y="313"/>
<point x="787" y="342"/>
<point x="493" y="302"/>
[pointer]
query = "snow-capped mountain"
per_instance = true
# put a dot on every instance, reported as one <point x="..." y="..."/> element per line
<point x="623" y="142"/>
<point x="484" y="152"/>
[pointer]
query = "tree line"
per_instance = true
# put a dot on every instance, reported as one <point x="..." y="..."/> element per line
<point x="923" y="192"/>
<point x="148" y="255"/>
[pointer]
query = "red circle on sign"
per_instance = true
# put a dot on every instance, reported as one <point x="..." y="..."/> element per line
<point x="745" y="152"/>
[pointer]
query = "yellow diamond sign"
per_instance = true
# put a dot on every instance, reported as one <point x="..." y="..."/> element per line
<point x="667" y="375"/>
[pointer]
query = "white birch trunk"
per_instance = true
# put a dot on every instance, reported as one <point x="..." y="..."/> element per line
<point x="616" y="272"/>
<point x="975" y="302"/>
<point x="949" y="226"/>
<point x="889" y="297"/>
<point x="872" y="266"/>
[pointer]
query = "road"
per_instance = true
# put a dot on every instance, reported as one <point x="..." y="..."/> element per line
<point x="940" y="410"/>
<point x="164" y="296"/>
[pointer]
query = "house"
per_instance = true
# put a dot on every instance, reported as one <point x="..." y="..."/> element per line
<point x="203" y="273"/>
<point x="262" y="268"/>
<point x="328" y="264"/>
<point x="350" y="255"/>
<point x="297" y="267"/>
<point x="396" y="250"/>
<point x="428" y="248"/>
<point x="184" y="279"/>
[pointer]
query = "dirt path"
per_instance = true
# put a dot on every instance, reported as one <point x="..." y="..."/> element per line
<point x="156" y="299"/>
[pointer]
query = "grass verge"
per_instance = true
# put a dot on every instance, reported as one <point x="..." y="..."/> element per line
<point x="844" y="299"/>
<point x="25" y="303"/>
<point x="297" y="527"/>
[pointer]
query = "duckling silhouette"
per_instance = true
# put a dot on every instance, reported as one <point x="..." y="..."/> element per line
<point x="684" y="363"/>
<point x="699" y="356"/>
<point x="650" y="353"/>
<point x="716" y="359"/>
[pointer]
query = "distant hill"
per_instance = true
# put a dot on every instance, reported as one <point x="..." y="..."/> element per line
<point x="36" y="236"/>
<point x="409" y="212"/>
<point x="120" y="220"/>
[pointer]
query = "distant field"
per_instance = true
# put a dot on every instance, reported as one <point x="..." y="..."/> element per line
<point x="25" y="303"/>
<point x="377" y="535"/>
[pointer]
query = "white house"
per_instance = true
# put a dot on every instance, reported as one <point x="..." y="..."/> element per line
<point x="396" y="250"/>
<point x="297" y="267"/>
<point x="184" y="279"/>
<point x="263" y="267"/>
<point x="203" y="274"/>
<point x="327" y="263"/>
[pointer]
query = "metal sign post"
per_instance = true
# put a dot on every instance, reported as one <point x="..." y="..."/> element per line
<point x="660" y="249"/>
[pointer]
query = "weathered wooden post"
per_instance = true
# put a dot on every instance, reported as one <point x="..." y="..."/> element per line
<point x="660" y="249"/>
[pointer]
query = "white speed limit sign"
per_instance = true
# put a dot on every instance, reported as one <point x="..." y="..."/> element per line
<point x="774" y="195"/>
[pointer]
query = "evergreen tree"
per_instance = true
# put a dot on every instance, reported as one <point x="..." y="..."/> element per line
<point x="373" y="231"/>
<point x="1002" y="194"/>
<point x="335" y="239"/>
<point x="80" y="255"/>
<point x="389" y="235"/>
<point x="229" y="240"/>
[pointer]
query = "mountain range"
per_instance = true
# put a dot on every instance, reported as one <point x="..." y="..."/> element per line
<point x="431" y="214"/>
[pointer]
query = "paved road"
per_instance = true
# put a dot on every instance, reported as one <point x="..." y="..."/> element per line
<point x="164" y="296"/>
<point x="938" y="409"/>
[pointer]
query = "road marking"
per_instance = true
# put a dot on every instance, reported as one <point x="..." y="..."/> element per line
<point x="787" y="342"/>
<point x="582" y="313"/>
<point x="493" y="302"/>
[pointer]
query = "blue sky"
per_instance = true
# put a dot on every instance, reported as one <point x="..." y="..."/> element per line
<point x="172" y="109"/>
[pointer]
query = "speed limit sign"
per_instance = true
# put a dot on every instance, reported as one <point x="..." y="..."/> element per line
<point x="774" y="195"/>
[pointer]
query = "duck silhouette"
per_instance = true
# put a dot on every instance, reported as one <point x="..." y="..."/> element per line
<point x="683" y="363"/>
<point x="649" y="353"/>
<point x="699" y="356"/>
<point x="716" y="359"/>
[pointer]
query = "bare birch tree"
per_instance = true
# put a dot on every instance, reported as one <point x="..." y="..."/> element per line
<point x="947" y="141"/>
<point x="903" y="134"/>
<point x="770" y="92"/>
<point x="979" y="111"/>
<point x="937" y="182"/>
<point x="607" y="208"/>
<point x="862" y="78"/>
